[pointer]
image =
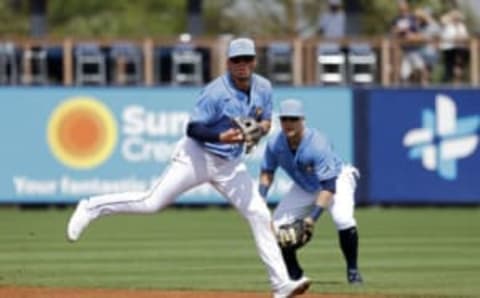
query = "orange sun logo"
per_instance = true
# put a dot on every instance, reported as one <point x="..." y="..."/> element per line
<point x="82" y="132"/>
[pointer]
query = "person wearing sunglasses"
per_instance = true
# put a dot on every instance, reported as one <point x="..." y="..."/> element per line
<point x="321" y="181"/>
<point x="212" y="152"/>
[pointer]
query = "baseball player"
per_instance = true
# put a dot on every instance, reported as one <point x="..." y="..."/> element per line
<point x="320" y="181"/>
<point x="212" y="152"/>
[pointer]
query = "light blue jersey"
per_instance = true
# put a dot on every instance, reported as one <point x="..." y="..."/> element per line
<point x="314" y="160"/>
<point x="220" y="101"/>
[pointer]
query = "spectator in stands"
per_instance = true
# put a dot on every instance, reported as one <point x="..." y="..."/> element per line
<point x="331" y="24"/>
<point x="455" y="52"/>
<point x="430" y="32"/>
<point x="405" y="29"/>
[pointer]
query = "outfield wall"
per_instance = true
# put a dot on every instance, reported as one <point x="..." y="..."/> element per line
<point x="134" y="134"/>
<point x="418" y="146"/>
<point x="412" y="146"/>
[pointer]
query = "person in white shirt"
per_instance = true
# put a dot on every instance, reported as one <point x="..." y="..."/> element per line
<point x="455" y="54"/>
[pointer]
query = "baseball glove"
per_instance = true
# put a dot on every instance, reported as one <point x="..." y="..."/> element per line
<point x="295" y="235"/>
<point x="251" y="130"/>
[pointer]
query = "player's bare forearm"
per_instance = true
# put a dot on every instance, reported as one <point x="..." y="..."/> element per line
<point x="266" y="178"/>
<point x="265" y="181"/>
<point x="322" y="201"/>
<point x="324" y="198"/>
<point x="232" y="135"/>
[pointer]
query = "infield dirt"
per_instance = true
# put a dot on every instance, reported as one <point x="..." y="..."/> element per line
<point x="30" y="292"/>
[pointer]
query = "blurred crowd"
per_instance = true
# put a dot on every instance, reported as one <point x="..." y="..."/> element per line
<point x="429" y="41"/>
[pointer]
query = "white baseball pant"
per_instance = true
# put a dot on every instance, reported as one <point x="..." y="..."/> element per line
<point x="190" y="167"/>
<point x="297" y="203"/>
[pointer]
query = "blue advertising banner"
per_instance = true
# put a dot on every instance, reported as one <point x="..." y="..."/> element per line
<point x="424" y="146"/>
<point x="62" y="144"/>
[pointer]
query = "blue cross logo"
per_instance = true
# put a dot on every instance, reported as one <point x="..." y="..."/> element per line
<point x="443" y="139"/>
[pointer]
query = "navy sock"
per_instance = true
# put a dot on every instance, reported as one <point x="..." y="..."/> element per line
<point x="349" y="245"/>
<point x="290" y="257"/>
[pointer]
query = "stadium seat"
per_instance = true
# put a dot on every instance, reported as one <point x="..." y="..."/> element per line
<point x="331" y="64"/>
<point x="126" y="59"/>
<point x="187" y="65"/>
<point x="8" y="64"/>
<point x="90" y="65"/>
<point x="34" y="66"/>
<point x="361" y="63"/>
<point x="279" y="62"/>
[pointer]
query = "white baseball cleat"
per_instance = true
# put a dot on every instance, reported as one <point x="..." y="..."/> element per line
<point x="78" y="221"/>
<point x="293" y="288"/>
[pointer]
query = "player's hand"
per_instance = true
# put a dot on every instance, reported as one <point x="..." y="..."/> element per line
<point x="232" y="135"/>
<point x="251" y="129"/>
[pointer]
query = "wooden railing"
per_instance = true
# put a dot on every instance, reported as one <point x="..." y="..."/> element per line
<point x="304" y="60"/>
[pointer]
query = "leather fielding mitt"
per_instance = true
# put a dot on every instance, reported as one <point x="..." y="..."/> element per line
<point x="295" y="235"/>
<point x="251" y="130"/>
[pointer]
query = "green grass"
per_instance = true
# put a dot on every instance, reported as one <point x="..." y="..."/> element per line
<point x="403" y="252"/>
